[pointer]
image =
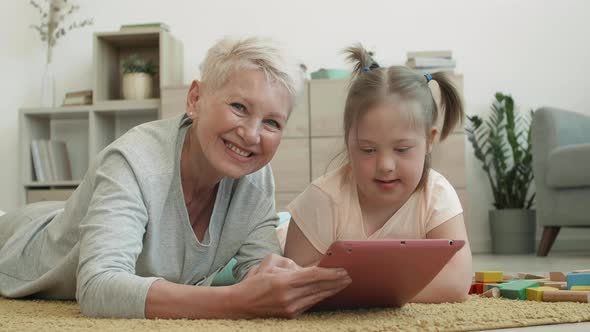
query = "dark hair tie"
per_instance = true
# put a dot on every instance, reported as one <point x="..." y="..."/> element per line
<point x="428" y="77"/>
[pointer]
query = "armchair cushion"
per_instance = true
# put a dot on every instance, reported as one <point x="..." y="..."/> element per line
<point x="569" y="166"/>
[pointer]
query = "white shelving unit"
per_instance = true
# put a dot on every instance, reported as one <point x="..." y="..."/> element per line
<point x="88" y="129"/>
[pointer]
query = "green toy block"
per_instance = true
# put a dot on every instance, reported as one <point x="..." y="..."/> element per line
<point x="516" y="289"/>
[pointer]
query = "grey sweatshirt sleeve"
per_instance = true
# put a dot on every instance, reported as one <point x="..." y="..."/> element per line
<point x="111" y="236"/>
<point x="261" y="241"/>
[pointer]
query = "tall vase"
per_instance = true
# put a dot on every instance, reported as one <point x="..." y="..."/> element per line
<point x="48" y="87"/>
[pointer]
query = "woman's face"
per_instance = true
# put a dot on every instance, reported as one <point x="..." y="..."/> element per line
<point x="239" y="126"/>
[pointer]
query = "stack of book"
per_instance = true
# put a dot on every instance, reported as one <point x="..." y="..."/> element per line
<point x="50" y="161"/>
<point x="74" y="98"/>
<point x="144" y="27"/>
<point x="431" y="61"/>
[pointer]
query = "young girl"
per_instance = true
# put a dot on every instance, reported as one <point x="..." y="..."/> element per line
<point x="387" y="189"/>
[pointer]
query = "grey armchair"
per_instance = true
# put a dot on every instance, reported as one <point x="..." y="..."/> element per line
<point x="561" y="164"/>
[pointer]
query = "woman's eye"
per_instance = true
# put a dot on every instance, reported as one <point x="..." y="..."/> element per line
<point x="274" y="124"/>
<point x="238" y="107"/>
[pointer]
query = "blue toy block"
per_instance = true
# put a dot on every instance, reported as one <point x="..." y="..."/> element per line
<point x="578" y="279"/>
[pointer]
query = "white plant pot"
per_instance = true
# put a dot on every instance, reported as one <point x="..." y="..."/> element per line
<point x="137" y="86"/>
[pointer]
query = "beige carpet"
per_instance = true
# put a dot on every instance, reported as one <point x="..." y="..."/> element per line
<point x="477" y="313"/>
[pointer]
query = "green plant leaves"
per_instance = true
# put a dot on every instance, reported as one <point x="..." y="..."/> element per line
<point x="503" y="145"/>
<point x="135" y="64"/>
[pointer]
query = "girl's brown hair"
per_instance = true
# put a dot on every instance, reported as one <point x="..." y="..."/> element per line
<point x="372" y="85"/>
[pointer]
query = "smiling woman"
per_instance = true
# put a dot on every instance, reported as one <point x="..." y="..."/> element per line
<point x="166" y="206"/>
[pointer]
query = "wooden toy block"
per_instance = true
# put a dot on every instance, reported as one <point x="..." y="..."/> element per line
<point x="562" y="285"/>
<point x="477" y="288"/>
<point x="489" y="276"/>
<point x="557" y="276"/>
<point x="488" y="286"/>
<point x="578" y="279"/>
<point x="580" y="288"/>
<point x="536" y="293"/>
<point x="522" y="275"/>
<point x="516" y="289"/>
<point x="582" y="271"/>
<point x="565" y="296"/>
<point x="492" y="292"/>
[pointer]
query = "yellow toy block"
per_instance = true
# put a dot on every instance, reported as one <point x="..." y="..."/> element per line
<point x="489" y="276"/>
<point x="536" y="293"/>
<point x="580" y="288"/>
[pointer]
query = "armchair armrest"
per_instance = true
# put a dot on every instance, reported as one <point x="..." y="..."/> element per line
<point x="568" y="166"/>
<point x="552" y="128"/>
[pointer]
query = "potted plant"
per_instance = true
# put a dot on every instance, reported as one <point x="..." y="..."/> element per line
<point x="137" y="77"/>
<point x="503" y="144"/>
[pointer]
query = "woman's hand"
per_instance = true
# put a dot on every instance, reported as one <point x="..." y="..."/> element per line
<point x="273" y="264"/>
<point x="280" y="288"/>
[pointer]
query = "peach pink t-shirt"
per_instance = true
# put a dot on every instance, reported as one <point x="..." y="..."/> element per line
<point x="329" y="210"/>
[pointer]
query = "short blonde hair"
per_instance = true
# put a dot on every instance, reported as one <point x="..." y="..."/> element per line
<point x="229" y="55"/>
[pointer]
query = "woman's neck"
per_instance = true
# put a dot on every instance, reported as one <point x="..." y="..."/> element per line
<point x="196" y="174"/>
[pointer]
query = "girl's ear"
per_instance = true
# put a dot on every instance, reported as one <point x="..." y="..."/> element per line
<point x="431" y="139"/>
<point x="192" y="99"/>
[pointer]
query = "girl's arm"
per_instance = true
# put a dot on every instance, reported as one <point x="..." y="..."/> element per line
<point x="299" y="249"/>
<point x="453" y="281"/>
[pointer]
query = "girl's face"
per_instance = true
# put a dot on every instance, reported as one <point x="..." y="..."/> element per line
<point x="239" y="126"/>
<point x="387" y="154"/>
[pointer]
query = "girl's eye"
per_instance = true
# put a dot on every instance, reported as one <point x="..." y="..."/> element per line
<point x="238" y="107"/>
<point x="273" y="123"/>
<point x="402" y="150"/>
<point x="368" y="150"/>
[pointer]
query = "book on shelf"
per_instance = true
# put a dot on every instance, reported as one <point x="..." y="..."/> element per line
<point x="421" y="62"/>
<point x="144" y="26"/>
<point x="40" y="156"/>
<point x="60" y="161"/>
<point x="50" y="161"/>
<point x="83" y="97"/>
<point x="447" y="54"/>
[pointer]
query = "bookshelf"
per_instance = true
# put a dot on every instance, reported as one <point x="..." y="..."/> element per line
<point x="88" y="129"/>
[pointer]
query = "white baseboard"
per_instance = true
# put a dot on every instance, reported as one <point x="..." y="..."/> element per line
<point x="564" y="244"/>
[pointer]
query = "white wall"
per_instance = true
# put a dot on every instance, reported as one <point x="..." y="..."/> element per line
<point x="536" y="50"/>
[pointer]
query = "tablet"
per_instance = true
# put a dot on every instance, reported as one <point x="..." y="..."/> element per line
<point x="385" y="273"/>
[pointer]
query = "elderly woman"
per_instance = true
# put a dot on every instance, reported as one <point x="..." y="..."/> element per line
<point x="167" y="205"/>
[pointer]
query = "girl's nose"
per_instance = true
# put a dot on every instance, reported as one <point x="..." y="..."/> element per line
<point x="385" y="164"/>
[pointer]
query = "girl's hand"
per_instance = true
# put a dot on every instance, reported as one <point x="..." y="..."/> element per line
<point x="278" y="289"/>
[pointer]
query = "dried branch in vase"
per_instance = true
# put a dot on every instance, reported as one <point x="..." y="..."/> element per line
<point x="52" y="25"/>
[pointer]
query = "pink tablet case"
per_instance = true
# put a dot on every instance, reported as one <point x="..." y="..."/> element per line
<point x="385" y="273"/>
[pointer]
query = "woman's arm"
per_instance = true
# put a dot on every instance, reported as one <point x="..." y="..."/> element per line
<point x="281" y="293"/>
<point x="298" y="248"/>
<point x="453" y="282"/>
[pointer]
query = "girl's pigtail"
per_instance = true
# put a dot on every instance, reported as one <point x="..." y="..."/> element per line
<point x="451" y="103"/>
<point x="362" y="59"/>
